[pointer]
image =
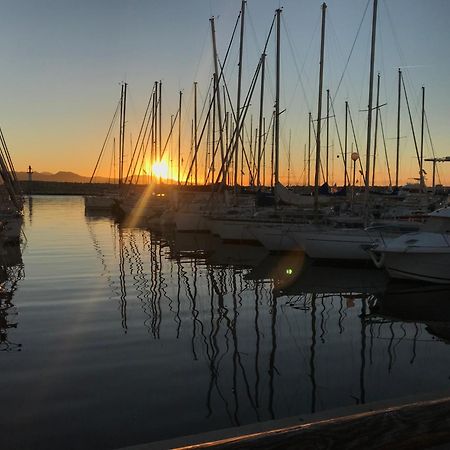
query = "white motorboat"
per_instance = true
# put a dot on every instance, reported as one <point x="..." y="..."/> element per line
<point x="423" y="255"/>
<point x="326" y="242"/>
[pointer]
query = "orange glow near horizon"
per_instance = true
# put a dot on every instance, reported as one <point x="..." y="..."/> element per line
<point x="160" y="169"/>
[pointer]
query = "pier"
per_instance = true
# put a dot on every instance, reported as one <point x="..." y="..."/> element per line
<point x="418" y="422"/>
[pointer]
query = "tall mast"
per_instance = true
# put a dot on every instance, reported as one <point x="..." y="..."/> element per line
<point x="120" y="136"/>
<point x="124" y="122"/>
<point x="217" y="91"/>
<point x="156" y="121"/>
<point x="376" y="130"/>
<point x="422" y="181"/>
<point x="195" y="133"/>
<point x="179" y="138"/>
<point x="328" y="137"/>
<point x="238" y="102"/>
<point x="154" y="124"/>
<point x="319" y="110"/>
<point x="369" y="112"/>
<point x="345" y="144"/>
<point x="398" y="126"/>
<point x="160" y="121"/>
<point x="261" y="110"/>
<point x="277" y="102"/>
<point x="309" y="148"/>
<point x="213" y="137"/>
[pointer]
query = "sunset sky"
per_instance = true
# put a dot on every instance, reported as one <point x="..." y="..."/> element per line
<point x="63" y="62"/>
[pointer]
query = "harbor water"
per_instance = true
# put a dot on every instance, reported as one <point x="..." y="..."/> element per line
<point x="113" y="336"/>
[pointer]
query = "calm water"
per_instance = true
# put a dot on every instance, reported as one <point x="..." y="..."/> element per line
<point x="112" y="336"/>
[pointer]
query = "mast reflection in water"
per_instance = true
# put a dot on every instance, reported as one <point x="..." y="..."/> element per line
<point x="155" y="334"/>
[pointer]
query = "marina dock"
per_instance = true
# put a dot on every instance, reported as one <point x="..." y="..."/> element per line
<point x="419" y="422"/>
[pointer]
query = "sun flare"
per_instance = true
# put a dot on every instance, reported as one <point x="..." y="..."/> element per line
<point x="160" y="169"/>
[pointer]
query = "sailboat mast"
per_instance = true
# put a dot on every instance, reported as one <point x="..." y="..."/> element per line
<point x="217" y="91"/>
<point x="238" y="101"/>
<point x="376" y="130"/>
<point x="309" y="149"/>
<point x="120" y="136"/>
<point x="398" y="126"/>
<point x="422" y="181"/>
<point x="328" y="138"/>
<point x="277" y="102"/>
<point x="261" y="111"/>
<point x="369" y="112"/>
<point x="123" y="125"/>
<point x="179" y="138"/>
<point x="345" y="144"/>
<point x="195" y="133"/>
<point x="160" y="122"/>
<point x="319" y="110"/>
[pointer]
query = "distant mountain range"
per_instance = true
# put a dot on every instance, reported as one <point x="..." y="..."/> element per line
<point x="62" y="177"/>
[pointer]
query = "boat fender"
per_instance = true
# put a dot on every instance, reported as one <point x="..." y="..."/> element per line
<point x="378" y="259"/>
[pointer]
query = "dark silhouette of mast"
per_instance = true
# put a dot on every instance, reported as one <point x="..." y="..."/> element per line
<point x="217" y="92"/>
<point x="261" y="112"/>
<point x="179" y="139"/>
<point x="345" y="144"/>
<point x="422" y="180"/>
<point x="319" y="110"/>
<point x="277" y="102"/>
<point x="238" y="101"/>
<point x="376" y="130"/>
<point x="369" y="112"/>
<point x="398" y="126"/>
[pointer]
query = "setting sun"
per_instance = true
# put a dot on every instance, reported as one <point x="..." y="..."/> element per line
<point x="160" y="169"/>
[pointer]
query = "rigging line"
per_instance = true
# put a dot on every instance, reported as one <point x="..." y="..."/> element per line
<point x="150" y="117"/>
<point x="8" y="173"/>
<point x="105" y="141"/>
<point x="8" y="157"/>
<point x="228" y="154"/>
<point x="385" y="151"/>
<point x="217" y="89"/>
<point x="412" y="125"/>
<point x="394" y="34"/>
<point x="432" y="145"/>
<point x="404" y="63"/>
<point x="170" y="133"/>
<point x="227" y="157"/>
<point x="339" y="140"/>
<point x="140" y="132"/>
<point x="299" y="80"/>
<point x="205" y="102"/>
<point x="315" y="145"/>
<point x="356" y="144"/>
<point x="351" y="50"/>
<point x="221" y="75"/>
<point x="259" y="63"/>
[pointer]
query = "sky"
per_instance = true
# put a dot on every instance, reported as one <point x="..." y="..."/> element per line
<point x="63" y="62"/>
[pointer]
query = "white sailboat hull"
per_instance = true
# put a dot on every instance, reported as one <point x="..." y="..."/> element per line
<point x="235" y="231"/>
<point x="276" y="237"/>
<point x="187" y="221"/>
<point x="345" y="243"/>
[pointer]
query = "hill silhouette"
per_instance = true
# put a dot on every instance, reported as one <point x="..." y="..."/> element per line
<point x="62" y="177"/>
